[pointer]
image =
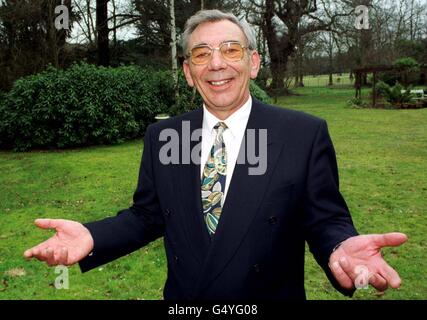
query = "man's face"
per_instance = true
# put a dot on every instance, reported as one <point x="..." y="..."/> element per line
<point x="223" y="85"/>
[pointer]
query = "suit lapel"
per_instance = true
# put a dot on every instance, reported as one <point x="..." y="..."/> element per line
<point x="188" y="189"/>
<point x="243" y="199"/>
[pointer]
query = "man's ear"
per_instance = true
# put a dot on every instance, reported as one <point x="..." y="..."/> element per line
<point x="187" y="73"/>
<point x="255" y="63"/>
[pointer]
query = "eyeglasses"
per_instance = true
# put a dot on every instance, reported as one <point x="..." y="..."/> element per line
<point x="231" y="51"/>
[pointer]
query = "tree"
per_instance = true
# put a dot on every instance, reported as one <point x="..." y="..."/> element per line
<point x="154" y="24"/>
<point x="284" y="25"/>
<point x="86" y="21"/>
<point x="29" y="40"/>
<point x="102" y="32"/>
<point x="173" y="48"/>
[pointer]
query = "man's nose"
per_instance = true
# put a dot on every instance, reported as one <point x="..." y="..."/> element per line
<point x="217" y="61"/>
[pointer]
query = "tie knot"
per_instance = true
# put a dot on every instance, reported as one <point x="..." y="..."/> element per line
<point x="220" y="126"/>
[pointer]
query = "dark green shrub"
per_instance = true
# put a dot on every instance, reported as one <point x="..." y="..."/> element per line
<point x="396" y="95"/>
<point x="356" y="103"/>
<point x="84" y="105"/>
<point x="407" y="63"/>
<point x="259" y="93"/>
<point x="409" y="70"/>
<point x="264" y="75"/>
<point x="389" y="77"/>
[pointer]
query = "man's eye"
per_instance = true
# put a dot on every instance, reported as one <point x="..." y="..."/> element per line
<point x="231" y="51"/>
<point x="202" y="55"/>
<point x="200" y="52"/>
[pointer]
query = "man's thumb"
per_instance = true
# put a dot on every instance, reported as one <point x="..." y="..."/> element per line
<point x="47" y="223"/>
<point x="392" y="239"/>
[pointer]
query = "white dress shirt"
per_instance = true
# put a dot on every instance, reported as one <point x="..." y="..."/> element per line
<point x="233" y="136"/>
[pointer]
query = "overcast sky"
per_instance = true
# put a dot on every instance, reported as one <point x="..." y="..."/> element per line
<point x="124" y="33"/>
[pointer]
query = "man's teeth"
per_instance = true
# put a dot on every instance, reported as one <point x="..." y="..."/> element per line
<point x="219" y="83"/>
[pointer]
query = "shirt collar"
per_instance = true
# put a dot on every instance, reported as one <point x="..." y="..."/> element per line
<point x="236" y="122"/>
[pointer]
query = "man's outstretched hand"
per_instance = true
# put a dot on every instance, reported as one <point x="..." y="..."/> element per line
<point x="358" y="261"/>
<point x="71" y="243"/>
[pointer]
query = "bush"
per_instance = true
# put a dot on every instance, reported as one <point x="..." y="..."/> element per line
<point x="408" y="72"/>
<point x="389" y="77"/>
<point x="407" y="63"/>
<point x="2" y="98"/>
<point x="410" y="69"/>
<point x="264" y="75"/>
<point x="84" y="105"/>
<point x="396" y="94"/>
<point x="357" y="103"/>
<point x="89" y="105"/>
<point x="259" y="93"/>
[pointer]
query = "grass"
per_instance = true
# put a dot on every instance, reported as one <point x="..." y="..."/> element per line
<point x="383" y="174"/>
<point x="82" y="185"/>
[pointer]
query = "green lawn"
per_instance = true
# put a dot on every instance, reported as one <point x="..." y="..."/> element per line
<point x="383" y="173"/>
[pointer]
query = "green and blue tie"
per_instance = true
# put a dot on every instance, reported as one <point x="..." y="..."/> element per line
<point x="213" y="180"/>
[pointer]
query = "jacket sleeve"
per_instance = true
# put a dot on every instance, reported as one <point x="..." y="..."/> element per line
<point x="132" y="228"/>
<point x="327" y="218"/>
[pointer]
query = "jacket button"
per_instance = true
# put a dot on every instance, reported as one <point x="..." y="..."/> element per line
<point x="256" y="268"/>
<point x="272" y="220"/>
<point x="175" y="258"/>
<point x="167" y="213"/>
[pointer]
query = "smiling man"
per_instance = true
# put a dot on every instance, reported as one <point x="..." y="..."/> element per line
<point x="229" y="234"/>
<point x="221" y="69"/>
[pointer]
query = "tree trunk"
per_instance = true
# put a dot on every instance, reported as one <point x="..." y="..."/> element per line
<point x="92" y="29"/>
<point x="114" y="25"/>
<point x="277" y="87"/>
<point x="364" y="79"/>
<point x="280" y="50"/>
<point x="51" y="34"/>
<point x="103" y="32"/>
<point x="298" y="64"/>
<point x="331" y="63"/>
<point x="331" y="59"/>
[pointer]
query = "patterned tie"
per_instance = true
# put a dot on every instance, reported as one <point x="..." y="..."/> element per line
<point x="213" y="180"/>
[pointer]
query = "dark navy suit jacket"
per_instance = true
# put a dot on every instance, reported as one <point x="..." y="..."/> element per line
<point x="259" y="246"/>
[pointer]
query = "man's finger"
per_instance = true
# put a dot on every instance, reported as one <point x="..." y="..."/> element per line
<point x="36" y="251"/>
<point x="392" y="239"/>
<point x="39" y="254"/>
<point x="378" y="282"/>
<point x="50" y="257"/>
<point x="343" y="279"/>
<point x="391" y="276"/>
<point x="28" y="254"/>
<point x="347" y="268"/>
<point x="63" y="256"/>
